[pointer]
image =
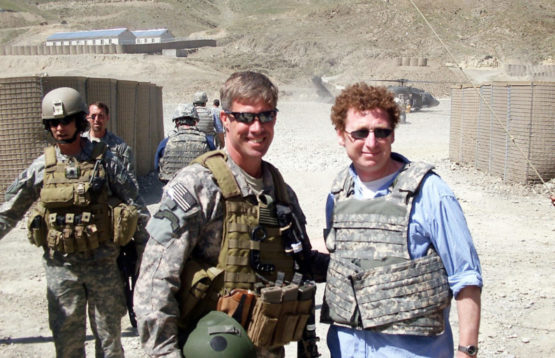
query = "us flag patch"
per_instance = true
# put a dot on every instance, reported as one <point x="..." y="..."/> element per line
<point x="182" y="196"/>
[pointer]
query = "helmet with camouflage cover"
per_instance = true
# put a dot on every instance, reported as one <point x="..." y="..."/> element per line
<point x="200" y="98"/>
<point x="64" y="102"/>
<point x="185" y="112"/>
<point x="218" y="335"/>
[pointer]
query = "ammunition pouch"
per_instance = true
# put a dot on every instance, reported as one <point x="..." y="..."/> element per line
<point x="279" y="316"/>
<point x="72" y="233"/>
<point x="36" y="226"/>
<point x="124" y="221"/>
<point x="198" y="295"/>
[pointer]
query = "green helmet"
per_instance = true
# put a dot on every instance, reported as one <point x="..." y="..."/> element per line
<point x="217" y="335"/>
<point x="62" y="102"/>
<point x="185" y="110"/>
<point x="200" y="97"/>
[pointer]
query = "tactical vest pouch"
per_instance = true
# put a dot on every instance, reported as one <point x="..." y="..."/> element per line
<point x="404" y="291"/>
<point x="199" y="291"/>
<point x="237" y="304"/>
<point x="36" y="226"/>
<point x="124" y="222"/>
<point x="265" y="317"/>
<point x="57" y="197"/>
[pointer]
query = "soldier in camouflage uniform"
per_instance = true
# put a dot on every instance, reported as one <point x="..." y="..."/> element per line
<point x="399" y="245"/>
<point x="99" y="115"/>
<point x="181" y="146"/>
<point x="73" y="183"/>
<point x="208" y="123"/>
<point x="188" y="229"/>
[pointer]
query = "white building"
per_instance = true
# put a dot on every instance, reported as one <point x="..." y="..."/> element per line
<point x="153" y="36"/>
<point x="119" y="36"/>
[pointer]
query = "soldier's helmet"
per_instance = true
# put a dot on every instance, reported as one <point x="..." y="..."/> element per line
<point x="200" y="98"/>
<point x="218" y="335"/>
<point x="64" y="102"/>
<point x="185" y="111"/>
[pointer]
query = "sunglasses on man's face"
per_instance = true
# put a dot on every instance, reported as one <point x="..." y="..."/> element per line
<point x="379" y="133"/>
<point x="57" y="121"/>
<point x="248" y="118"/>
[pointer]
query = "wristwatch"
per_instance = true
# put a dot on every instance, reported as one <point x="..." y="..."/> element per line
<point x="470" y="350"/>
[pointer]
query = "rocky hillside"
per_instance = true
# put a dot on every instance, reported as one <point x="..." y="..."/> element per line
<point x="294" y="40"/>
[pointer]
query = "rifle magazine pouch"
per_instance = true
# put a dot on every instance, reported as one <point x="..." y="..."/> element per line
<point x="36" y="225"/>
<point x="264" y="320"/>
<point x="288" y="316"/>
<point x="303" y="309"/>
<point x="124" y="222"/>
<point x="92" y="236"/>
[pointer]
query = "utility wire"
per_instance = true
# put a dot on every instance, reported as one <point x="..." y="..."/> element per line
<point x="478" y="92"/>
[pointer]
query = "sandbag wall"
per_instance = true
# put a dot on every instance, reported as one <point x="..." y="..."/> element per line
<point x="516" y="135"/>
<point x="136" y="115"/>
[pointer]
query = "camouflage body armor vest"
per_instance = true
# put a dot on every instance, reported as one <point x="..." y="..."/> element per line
<point x="72" y="214"/>
<point x="206" y="121"/>
<point x="372" y="282"/>
<point x="182" y="147"/>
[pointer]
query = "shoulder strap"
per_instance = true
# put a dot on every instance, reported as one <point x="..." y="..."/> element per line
<point x="279" y="184"/>
<point x="216" y="162"/>
<point x="50" y="156"/>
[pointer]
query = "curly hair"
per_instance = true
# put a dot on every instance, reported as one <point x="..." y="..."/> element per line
<point x="362" y="97"/>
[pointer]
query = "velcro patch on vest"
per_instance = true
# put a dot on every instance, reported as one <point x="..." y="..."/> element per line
<point x="182" y="197"/>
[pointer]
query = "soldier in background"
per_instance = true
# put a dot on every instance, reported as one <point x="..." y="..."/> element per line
<point x="218" y="122"/>
<point x="87" y="207"/>
<point x="98" y="117"/>
<point x="208" y="124"/>
<point x="181" y="146"/>
<point x="399" y="244"/>
<point x="227" y="226"/>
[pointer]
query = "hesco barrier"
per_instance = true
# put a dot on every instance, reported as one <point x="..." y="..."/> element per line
<point x="479" y="137"/>
<point x="104" y="49"/>
<point x="136" y="115"/>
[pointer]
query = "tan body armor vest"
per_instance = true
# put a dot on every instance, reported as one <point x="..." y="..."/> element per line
<point x="372" y="282"/>
<point x="72" y="214"/>
<point x="251" y="255"/>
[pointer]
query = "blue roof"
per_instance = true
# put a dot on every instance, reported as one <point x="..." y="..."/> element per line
<point x="153" y="32"/>
<point x="92" y="34"/>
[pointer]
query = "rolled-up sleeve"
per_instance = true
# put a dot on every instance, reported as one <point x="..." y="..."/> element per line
<point x="438" y="219"/>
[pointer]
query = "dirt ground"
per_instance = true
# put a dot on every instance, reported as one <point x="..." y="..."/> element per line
<point x="512" y="227"/>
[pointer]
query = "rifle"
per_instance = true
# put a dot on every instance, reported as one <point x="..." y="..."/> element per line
<point x="127" y="262"/>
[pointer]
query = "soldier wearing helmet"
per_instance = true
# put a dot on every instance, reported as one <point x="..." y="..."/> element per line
<point x="208" y="123"/>
<point x="72" y="191"/>
<point x="181" y="146"/>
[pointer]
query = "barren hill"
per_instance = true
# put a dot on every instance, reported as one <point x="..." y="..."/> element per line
<point x="292" y="40"/>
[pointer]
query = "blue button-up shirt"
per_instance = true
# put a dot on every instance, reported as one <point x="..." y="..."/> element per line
<point x="436" y="219"/>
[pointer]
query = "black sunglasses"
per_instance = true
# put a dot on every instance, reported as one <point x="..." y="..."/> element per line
<point x="379" y="133"/>
<point x="248" y="118"/>
<point x="56" y="121"/>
